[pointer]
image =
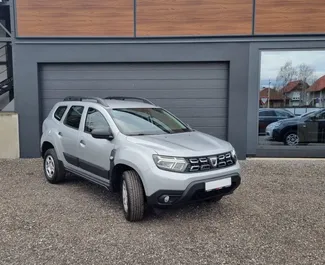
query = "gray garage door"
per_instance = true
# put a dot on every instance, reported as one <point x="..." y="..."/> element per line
<point x="195" y="92"/>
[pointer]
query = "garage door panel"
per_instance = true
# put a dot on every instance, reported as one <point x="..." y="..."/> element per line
<point x="203" y="122"/>
<point x="130" y="84"/>
<point x="203" y="111"/>
<point x="189" y="74"/>
<point x="160" y="94"/>
<point x="195" y="92"/>
<point x="184" y="103"/>
<point x="122" y="66"/>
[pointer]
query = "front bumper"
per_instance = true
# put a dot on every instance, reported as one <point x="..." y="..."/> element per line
<point x="194" y="192"/>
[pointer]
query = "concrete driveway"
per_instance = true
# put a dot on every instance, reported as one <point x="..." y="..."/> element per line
<point x="275" y="217"/>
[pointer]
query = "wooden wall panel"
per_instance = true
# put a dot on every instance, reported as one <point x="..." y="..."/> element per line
<point x="75" y="18"/>
<point x="194" y="17"/>
<point x="290" y="16"/>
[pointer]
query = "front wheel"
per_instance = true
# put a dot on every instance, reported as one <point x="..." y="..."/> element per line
<point x="132" y="196"/>
<point x="291" y="139"/>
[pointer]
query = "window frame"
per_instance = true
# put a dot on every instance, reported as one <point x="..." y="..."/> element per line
<point x="66" y="116"/>
<point x="86" y="115"/>
<point x="60" y="106"/>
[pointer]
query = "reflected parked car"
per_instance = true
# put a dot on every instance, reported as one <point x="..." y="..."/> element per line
<point x="271" y="126"/>
<point x="308" y="128"/>
<point x="268" y="116"/>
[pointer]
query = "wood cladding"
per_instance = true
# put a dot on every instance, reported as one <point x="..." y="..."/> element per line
<point x="289" y="16"/>
<point x="194" y="17"/>
<point x="75" y="18"/>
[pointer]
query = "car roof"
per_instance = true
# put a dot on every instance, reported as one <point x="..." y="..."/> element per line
<point x="111" y="103"/>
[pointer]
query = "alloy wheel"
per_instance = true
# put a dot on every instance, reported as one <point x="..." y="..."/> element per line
<point x="49" y="166"/>
<point x="292" y="139"/>
<point x="125" y="196"/>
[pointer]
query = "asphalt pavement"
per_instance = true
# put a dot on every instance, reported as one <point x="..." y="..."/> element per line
<point x="275" y="217"/>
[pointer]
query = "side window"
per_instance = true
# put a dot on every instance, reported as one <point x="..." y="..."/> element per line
<point x="267" y="113"/>
<point x="95" y="120"/>
<point x="321" y="116"/>
<point x="74" y="116"/>
<point x="58" y="114"/>
<point x="282" y="114"/>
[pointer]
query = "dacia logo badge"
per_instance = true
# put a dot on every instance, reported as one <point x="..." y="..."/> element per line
<point x="213" y="161"/>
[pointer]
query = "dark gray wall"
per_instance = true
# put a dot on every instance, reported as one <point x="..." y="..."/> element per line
<point x="253" y="147"/>
<point x="29" y="54"/>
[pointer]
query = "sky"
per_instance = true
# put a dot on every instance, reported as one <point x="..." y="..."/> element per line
<point x="271" y="61"/>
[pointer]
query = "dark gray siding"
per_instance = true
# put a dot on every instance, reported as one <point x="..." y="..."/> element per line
<point x="195" y="92"/>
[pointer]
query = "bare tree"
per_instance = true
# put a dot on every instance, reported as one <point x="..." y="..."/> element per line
<point x="286" y="74"/>
<point x="303" y="72"/>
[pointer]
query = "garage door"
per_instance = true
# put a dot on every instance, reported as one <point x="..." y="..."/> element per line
<point x="195" y="92"/>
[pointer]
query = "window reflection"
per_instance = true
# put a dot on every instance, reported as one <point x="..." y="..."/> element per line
<point x="292" y="99"/>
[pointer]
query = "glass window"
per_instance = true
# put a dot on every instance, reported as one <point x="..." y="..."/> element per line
<point x="58" y="114"/>
<point x="267" y="113"/>
<point x="74" y="116"/>
<point x="292" y="84"/>
<point x="145" y="121"/>
<point x="95" y="120"/>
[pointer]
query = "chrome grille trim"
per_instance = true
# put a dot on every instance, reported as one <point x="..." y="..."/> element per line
<point x="210" y="162"/>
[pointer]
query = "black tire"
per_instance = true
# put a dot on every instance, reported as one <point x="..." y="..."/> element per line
<point x="59" y="171"/>
<point x="134" y="194"/>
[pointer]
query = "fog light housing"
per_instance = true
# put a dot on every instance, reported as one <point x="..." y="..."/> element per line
<point x="164" y="199"/>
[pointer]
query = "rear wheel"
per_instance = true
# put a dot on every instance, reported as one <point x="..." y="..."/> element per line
<point x="132" y="196"/>
<point x="53" y="170"/>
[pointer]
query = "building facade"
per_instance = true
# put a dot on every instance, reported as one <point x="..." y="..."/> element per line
<point x="200" y="59"/>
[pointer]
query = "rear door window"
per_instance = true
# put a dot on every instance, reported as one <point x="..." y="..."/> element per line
<point x="58" y="114"/>
<point x="73" y="117"/>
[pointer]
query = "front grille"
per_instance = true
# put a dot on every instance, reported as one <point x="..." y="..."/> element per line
<point x="210" y="162"/>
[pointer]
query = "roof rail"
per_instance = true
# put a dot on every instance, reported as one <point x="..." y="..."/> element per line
<point x="138" y="98"/>
<point x="78" y="98"/>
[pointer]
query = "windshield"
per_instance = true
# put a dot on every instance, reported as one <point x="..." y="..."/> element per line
<point x="146" y="121"/>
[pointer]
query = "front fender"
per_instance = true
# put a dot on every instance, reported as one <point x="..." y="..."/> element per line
<point x="136" y="159"/>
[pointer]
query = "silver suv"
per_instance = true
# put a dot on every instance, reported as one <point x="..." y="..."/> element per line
<point x="132" y="146"/>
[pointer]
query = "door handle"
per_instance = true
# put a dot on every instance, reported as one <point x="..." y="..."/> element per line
<point x="59" y="133"/>
<point x="82" y="142"/>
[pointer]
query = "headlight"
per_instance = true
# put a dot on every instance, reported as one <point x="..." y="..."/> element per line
<point x="276" y="124"/>
<point x="233" y="154"/>
<point x="177" y="164"/>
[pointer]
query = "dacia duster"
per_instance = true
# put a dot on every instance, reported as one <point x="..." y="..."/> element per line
<point x="132" y="146"/>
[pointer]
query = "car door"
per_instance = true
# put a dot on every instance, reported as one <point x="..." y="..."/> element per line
<point x="320" y="120"/>
<point x="94" y="153"/>
<point x="314" y="127"/>
<point x="69" y="134"/>
<point x="265" y="118"/>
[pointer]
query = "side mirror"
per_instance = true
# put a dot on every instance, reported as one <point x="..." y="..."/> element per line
<point x="102" y="134"/>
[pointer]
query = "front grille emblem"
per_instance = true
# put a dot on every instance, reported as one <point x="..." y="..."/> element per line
<point x="213" y="161"/>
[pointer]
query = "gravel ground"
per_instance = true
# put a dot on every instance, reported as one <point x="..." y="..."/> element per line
<point x="275" y="217"/>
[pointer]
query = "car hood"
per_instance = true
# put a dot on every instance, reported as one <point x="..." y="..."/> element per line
<point x="297" y="120"/>
<point x="183" y="144"/>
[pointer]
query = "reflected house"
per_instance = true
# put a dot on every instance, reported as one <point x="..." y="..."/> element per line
<point x="295" y="93"/>
<point x="316" y="93"/>
<point x="276" y="98"/>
